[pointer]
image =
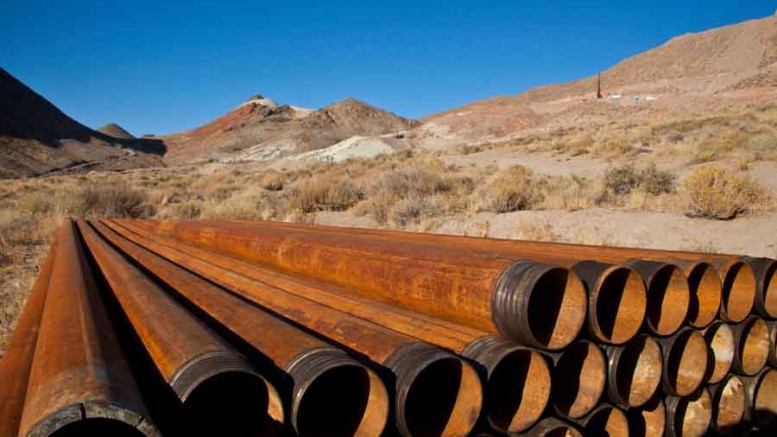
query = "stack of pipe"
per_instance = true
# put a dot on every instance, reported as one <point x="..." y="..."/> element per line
<point x="251" y="328"/>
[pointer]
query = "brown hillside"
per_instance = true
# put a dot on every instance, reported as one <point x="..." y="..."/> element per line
<point x="37" y="138"/>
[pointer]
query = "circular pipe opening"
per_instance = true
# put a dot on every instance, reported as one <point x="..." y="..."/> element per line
<point x="637" y="371"/>
<point x="773" y="343"/>
<point x="770" y="290"/>
<point x="578" y="379"/>
<point x="98" y="428"/>
<point x="754" y="346"/>
<point x="444" y="399"/>
<point x="607" y="421"/>
<point x="233" y="403"/>
<point x="686" y="362"/>
<point x="764" y="405"/>
<point x="346" y="400"/>
<point x="557" y="308"/>
<point x="739" y="288"/>
<point x="517" y="391"/>
<point x="552" y="427"/>
<point x="693" y="415"/>
<point x="721" y="344"/>
<point x="706" y="293"/>
<point x="620" y="303"/>
<point x="668" y="300"/>
<point x="729" y="406"/>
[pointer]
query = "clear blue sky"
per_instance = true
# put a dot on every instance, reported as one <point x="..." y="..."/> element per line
<point x="168" y="65"/>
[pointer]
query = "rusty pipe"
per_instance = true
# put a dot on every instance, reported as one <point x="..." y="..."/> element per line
<point x="426" y="378"/>
<point x="728" y="405"/>
<point x="761" y="399"/>
<point x="721" y="344"/>
<point x="688" y="416"/>
<point x="617" y="300"/>
<point x="649" y="420"/>
<point x="766" y="295"/>
<point x="475" y="288"/>
<point x="89" y="379"/>
<point x="752" y="346"/>
<point x="579" y="377"/>
<point x="314" y="367"/>
<point x="685" y="357"/>
<point x="551" y="427"/>
<point x="772" y="343"/>
<point x="15" y="365"/>
<point x="668" y="295"/>
<point x="209" y="377"/>
<point x="633" y="371"/>
<point x="604" y="420"/>
<point x="729" y="279"/>
<point x="517" y="379"/>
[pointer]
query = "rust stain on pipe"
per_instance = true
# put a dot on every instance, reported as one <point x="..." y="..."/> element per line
<point x="634" y="371"/>
<point x="517" y="379"/>
<point x="688" y="416"/>
<point x="428" y="379"/>
<point x="605" y="420"/>
<point x="721" y="344"/>
<point x="752" y="346"/>
<point x="686" y="358"/>
<point x="728" y="405"/>
<point x="579" y="378"/>
<point x="314" y="366"/>
<point x="90" y="378"/>
<point x="191" y="358"/>
<point x="15" y="365"/>
<point x="761" y="397"/>
<point x="476" y="288"/>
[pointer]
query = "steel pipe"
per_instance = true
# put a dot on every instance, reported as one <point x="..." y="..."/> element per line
<point x="429" y="382"/>
<point x="688" y="416"/>
<point x="579" y="378"/>
<point x="212" y="380"/>
<point x="772" y="361"/>
<point x="668" y="295"/>
<point x="89" y="379"/>
<point x="731" y="272"/>
<point x="315" y="368"/>
<point x="649" y="420"/>
<point x="766" y="296"/>
<point x="721" y="344"/>
<point x="538" y="305"/>
<point x="517" y="379"/>
<point x="752" y="346"/>
<point x="605" y="420"/>
<point x="761" y="397"/>
<point x="728" y="405"/>
<point x="686" y="358"/>
<point x="15" y="365"/>
<point x="633" y="371"/>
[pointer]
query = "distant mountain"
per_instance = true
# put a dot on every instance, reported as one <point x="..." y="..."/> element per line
<point x="37" y="138"/>
<point x="261" y="129"/>
<point x="716" y="64"/>
<point x="116" y="131"/>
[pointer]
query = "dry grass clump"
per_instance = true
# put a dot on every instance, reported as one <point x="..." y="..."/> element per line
<point x="272" y="180"/>
<point x="116" y="201"/>
<point x="714" y="193"/>
<point x="325" y="193"/>
<point x="512" y="189"/>
<point x="624" y="179"/>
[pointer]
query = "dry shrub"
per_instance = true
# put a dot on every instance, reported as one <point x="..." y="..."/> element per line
<point x="411" y="210"/>
<point x="712" y="192"/>
<point x="573" y="192"/>
<point x="116" y="201"/>
<point x="272" y="180"/>
<point x="626" y="178"/>
<point x="512" y="189"/>
<point x="324" y="193"/>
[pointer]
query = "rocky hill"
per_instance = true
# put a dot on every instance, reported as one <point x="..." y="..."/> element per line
<point x="37" y="138"/>
<point x="116" y="131"/>
<point x="261" y="129"/>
